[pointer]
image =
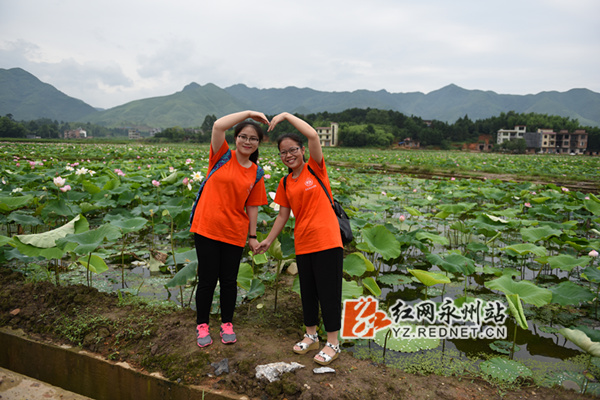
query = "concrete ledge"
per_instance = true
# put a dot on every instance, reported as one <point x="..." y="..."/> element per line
<point x="88" y="375"/>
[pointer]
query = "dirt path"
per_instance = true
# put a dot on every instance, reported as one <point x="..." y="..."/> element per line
<point x="162" y="339"/>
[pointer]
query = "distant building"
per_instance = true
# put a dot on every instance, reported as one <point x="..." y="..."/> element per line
<point x="511" y="134"/>
<point x="134" y="134"/>
<point x="329" y="136"/>
<point x="483" y="144"/>
<point x="154" y="131"/>
<point x="546" y="141"/>
<point x="408" y="143"/>
<point x="76" y="134"/>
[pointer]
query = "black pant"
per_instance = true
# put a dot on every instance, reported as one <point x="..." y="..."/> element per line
<point x="216" y="261"/>
<point x="321" y="282"/>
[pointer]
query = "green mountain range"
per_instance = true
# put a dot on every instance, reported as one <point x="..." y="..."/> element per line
<point x="26" y="97"/>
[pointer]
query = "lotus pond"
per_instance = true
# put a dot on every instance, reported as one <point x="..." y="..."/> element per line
<point x="116" y="217"/>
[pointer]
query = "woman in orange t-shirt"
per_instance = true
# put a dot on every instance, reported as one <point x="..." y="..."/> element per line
<point x="225" y="215"/>
<point x="317" y="239"/>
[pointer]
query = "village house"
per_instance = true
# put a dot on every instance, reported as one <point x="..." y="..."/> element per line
<point x="329" y="136"/>
<point x="408" y="143"/>
<point x="134" y="134"/>
<point x="483" y="144"/>
<point x="546" y="141"/>
<point x="511" y="134"/>
<point x="76" y="134"/>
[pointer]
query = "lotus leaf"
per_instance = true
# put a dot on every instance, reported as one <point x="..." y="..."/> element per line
<point x="394" y="279"/>
<point x="350" y="289"/>
<point x="527" y="291"/>
<point x="382" y="241"/>
<point x="570" y="293"/>
<point x="9" y="203"/>
<point x="454" y="263"/>
<point x="581" y="340"/>
<point x="245" y="276"/>
<point x="257" y="289"/>
<point x="527" y="248"/>
<point x="356" y="264"/>
<point x="592" y="274"/>
<point x="372" y="286"/>
<point x="436" y="239"/>
<point x="592" y="205"/>
<point x="429" y="278"/>
<point x="94" y="263"/>
<point x="503" y="346"/>
<point x="567" y="262"/>
<point x="184" y="275"/>
<point x="536" y="234"/>
<point x="505" y="370"/>
<point x="48" y="239"/>
<point x="516" y="310"/>
<point x="404" y="345"/>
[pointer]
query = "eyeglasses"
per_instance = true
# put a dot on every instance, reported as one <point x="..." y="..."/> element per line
<point x="251" y="139"/>
<point x="291" y="150"/>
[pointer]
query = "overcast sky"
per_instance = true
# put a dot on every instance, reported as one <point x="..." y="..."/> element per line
<point x="110" y="52"/>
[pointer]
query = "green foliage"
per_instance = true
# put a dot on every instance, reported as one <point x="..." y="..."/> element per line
<point x="501" y="369"/>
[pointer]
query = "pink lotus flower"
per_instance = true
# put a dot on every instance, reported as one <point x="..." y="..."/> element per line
<point x="65" y="188"/>
<point x="453" y="179"/>
<point x="155" y="183"/>
<point x="593" y="253"/>
<point x="402" y="218"/>
<point x="527" y="205"/>
<point x="186" y="180"/>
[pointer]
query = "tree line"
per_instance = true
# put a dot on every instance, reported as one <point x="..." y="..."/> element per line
<point x="46" y="128"/>
<point x="358" y="128"/>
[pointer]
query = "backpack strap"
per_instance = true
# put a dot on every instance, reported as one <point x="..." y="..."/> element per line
<point x="285" y="182"/>
<point x="224" y="158"/>
<point x="260" y="172"/>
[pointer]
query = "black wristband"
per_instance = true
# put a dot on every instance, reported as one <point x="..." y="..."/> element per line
<point x="252" y="236"/>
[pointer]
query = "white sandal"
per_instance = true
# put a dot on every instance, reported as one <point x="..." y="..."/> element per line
<point x="326" y="358"/>
<point x="306" y="347"/>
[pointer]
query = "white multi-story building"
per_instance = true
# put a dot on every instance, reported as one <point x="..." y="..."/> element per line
<point x="511" y="134"/>
<point x="329" y="136"/>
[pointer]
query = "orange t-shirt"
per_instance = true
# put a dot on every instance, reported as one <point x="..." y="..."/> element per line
<point x="317" y="227"/>
<point x="220" y="213"/>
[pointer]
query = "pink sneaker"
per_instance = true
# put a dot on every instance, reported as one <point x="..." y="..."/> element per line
<point x="227" y="333"/>
<point x="204" y="338"/>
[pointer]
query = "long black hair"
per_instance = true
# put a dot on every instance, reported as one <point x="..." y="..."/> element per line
<point x="296" y="138"/>
<point x="259" y="131"/>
